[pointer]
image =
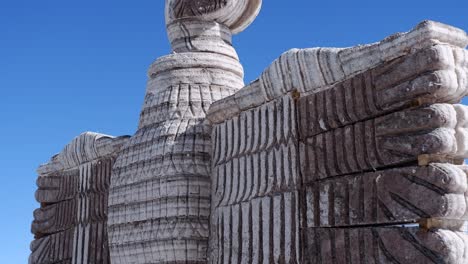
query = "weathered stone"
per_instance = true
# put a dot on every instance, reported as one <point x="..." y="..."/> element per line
<point x="315" y="161"/>
<point x="401" y="195"/>
<point x="255" y="154"/>
<point x="320" y="69"/>
<point x="238" y="230"/>
<point x="391" y="140"/>
<point x="87" y="147"/>
<point x="385" y="245"/>
<point x="56" y="248"/>
<point x="255" y="178"/>
<point x="71" y="225"/>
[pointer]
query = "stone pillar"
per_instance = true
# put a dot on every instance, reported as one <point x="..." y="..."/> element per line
<point x="159" y="205"/>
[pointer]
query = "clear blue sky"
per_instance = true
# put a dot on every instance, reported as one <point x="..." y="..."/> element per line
<point x="72" y="66"/>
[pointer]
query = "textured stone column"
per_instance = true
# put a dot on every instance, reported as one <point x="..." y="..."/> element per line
<point x="159" y="205"/>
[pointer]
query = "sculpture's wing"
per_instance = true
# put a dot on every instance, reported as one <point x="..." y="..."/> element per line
<point x="318" y="158"/>
<point x="71" y="224"/>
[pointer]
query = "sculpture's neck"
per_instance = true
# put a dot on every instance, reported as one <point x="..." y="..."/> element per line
<point x="196" y="35"/>
<point x="203" y="68"/>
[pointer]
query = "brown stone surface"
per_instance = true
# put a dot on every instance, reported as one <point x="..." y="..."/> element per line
<point x="71" y="224"/>
<point x="56" y="248"/>
<point x="255" y="216"/>
<point x="391" y="140"/>
<point x="433" y="75"/>
<point x="382" y="245"/>
<point x="315" y="161"/>
<point x="256" y="153"/>
<point x="357" y="122"/>
<point x="263" y="230"/>
<point x="401" y="195"/>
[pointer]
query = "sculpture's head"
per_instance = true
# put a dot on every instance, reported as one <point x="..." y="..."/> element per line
<point x="235" y="14"/>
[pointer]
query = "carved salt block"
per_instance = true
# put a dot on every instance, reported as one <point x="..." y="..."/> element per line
<point x="405" y="245"/>
<point x="262" y="230"/>
<point x="71" y="225"/>
<point x="255" y="153"/>
<point x="55" y="248"/>
<point x="432" y="75"/>
<point x="391" y="140"/>
<point x="392" y="196"/>
<point x="57" y="187"/>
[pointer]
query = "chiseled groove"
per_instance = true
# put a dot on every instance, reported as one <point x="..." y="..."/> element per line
<point x="160" y="199"/>
<point x="87" y="190"/>
<point x="426" y="184"/>
<point x="408" y="211"/>
<point x="260" y="233"/>
<point x="408" y="205"/>
<point x="384" y="250"/>
<point x="430" y="254"/>
<point x="363" y="147"/>
<point x="368" y="98"/>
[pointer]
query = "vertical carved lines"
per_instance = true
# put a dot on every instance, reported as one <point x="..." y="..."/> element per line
<point x="257" y="181"/>
<point x="272" y="160"/>
<point x="267" y="231"/>
<point x="71" y="226"/>
<point x="374" y="123"/>
<point x="424" y="76"/>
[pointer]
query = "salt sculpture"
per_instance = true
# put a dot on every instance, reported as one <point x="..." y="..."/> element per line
<point x="351" y="155"/>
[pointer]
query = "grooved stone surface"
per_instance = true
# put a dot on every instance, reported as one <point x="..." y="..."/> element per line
<point x="255" y="216"/>
<point x="437" y="74"/>
<point x="385" y="245"/>
<point x="399" y="195"/>
<point x="71" y="224"/>
<point x="390" y="140"/>
<point x="429" y="53"/>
